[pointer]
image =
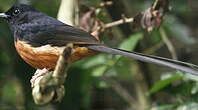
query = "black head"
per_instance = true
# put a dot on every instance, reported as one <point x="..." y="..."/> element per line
<point x="18" y="13"/>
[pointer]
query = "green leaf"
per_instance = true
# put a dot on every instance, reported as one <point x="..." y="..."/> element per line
<point x="163" y="83"/>
<point x="99" y="71"/>
<point x="94" y="61"/>
<point x="130" y="43"/>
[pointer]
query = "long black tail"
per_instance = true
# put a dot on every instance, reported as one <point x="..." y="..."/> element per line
<point x="182" y="66"/>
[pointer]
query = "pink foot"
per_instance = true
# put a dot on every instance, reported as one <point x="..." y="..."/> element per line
<point x="38" y="75"/>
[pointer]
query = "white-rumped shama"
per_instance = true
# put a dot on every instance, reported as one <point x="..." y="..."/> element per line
<point x="39" y="39"/>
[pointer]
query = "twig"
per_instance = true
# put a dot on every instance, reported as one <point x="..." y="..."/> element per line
<point x="106" y="3"/>
<point x="121" y="21"/>
<point x="168" y="43"/>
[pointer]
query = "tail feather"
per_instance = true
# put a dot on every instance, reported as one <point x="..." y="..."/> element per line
<point x="182" y="66"/>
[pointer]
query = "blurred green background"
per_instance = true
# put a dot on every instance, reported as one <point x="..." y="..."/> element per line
<point x="107" y="82"/>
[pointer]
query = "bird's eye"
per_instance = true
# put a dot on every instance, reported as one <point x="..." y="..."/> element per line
<point x="16" y="12"/>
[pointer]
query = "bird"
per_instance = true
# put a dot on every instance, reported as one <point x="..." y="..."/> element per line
<point x="39" y="39"/>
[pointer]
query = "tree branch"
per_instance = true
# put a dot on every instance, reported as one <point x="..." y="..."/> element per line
<point x="66" y="11"/>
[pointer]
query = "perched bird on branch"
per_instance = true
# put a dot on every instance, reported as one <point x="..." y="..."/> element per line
<point x="39" y="40"/>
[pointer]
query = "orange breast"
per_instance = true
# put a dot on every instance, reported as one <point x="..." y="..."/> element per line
<point x="47" y="56"/>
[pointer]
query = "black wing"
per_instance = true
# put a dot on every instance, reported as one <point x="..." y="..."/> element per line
<point x="60" y="35"/>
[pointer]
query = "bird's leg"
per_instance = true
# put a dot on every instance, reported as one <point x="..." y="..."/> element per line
<point x="38" y="75"/>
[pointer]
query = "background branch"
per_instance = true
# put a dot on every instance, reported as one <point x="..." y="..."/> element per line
<point x="147" y="19"/>
<point x="119" y="22"/>
<point x="66" y="11"/>
<point x="168" y="43"/>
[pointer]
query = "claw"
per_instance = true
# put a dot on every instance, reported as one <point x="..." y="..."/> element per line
<point x="38" y="75"/>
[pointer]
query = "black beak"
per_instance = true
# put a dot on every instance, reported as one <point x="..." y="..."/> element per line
<point x="3" y="15"/>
